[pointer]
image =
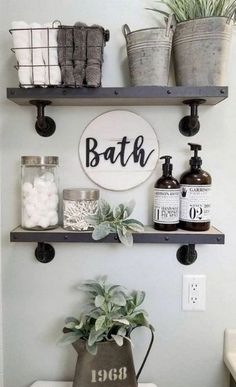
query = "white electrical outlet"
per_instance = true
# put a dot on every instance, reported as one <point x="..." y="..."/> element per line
<point x="194" y="292"/>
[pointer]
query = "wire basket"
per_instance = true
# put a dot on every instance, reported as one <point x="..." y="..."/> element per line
<point x="59" y="56"/>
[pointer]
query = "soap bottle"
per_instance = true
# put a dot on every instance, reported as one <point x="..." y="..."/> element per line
<point x="195" y="201"/>
<point x="166" y="199"/>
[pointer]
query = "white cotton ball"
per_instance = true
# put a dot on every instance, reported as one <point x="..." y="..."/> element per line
<point x="48" y="176"/>
<point x="43" y="222"/>
<point x="42" y="198"/>
<point x="40" y="184"/>
<point x="30" y="199"/>
<point x="54" y="219"/>
<point x="52" y="188"/>
<point x="28" y="222"/>
<point x="30" y="209"/>
<point x="52" y="202"/>
<point x="27" y="188"/>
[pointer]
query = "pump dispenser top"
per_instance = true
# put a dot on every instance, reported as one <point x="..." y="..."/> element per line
<point x="195" y="161"/>
<point x="167" y="167"/>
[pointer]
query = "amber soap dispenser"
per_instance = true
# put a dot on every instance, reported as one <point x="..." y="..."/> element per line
<point x="195" y="201"/>
<point x="166" y="199"/>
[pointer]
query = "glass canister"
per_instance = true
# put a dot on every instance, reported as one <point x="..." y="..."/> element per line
<point x="78" y="203"/>
<point x="39" y="187"/>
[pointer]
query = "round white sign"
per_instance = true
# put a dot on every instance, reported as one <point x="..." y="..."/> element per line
<point x="119" y="150"/>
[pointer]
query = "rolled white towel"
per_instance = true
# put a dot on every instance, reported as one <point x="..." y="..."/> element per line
<point x="21" y="43"/>
<point x="50" y="55"/>
<point x="38" y="75"/>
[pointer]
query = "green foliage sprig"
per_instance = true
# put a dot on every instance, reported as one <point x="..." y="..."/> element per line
<point x="193" y="9"/>
<point x="115" y="220"/>
<point x="111" y="316"/>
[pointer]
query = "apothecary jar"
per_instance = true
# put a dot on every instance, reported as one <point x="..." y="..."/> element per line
<point x="78" y="204"/>
<point x="39" y="179"/>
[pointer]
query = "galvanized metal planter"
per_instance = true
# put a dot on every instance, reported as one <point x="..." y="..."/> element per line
<point x="201" y="50"/>
<point x="149" y="52"/>
<point x="112" y="365"/>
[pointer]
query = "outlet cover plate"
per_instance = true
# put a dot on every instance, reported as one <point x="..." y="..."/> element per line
<point x="194" y="292"/>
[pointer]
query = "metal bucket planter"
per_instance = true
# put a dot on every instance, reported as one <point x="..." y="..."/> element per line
<point x="201" y="50"/>
<point x="112" y="366"/>
<point x="149" y="52"/>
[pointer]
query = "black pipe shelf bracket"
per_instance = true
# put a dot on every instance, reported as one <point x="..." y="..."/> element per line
<point x="44" y="252"/>
<point x="187" y="254"/>
<point x="190" y="125"/>
<point x="45" y="126"/>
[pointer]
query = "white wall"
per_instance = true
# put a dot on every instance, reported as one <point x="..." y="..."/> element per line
<point x="36" y="297"/>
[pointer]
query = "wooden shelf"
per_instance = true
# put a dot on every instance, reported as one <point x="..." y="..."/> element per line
<point x="212" y="236"/>
<point x="118" y="96"/>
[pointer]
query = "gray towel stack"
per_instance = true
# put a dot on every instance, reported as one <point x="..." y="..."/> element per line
<point x="80" y="53"/>
<point x="80" y="50"/>
<point x="95" y="45"/>
<point x="65" y="55"/>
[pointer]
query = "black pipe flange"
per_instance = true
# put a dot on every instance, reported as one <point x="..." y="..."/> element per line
<point x="45" y="126"/>
<point x="187" y="254"/>
<point x="190" y="125"/>
<point x="44" y="252"/>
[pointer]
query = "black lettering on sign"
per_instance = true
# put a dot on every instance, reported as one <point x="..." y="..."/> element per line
<point x="114" y="155"/>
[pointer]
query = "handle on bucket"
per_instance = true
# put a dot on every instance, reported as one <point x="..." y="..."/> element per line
<point x="170" y="24"/>
<point x="148" y="351"/>
<point x="126" y="30"/>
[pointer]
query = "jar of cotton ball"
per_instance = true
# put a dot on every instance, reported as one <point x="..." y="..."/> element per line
<point x="78" y="203"/>
<point x="39" y="192"/>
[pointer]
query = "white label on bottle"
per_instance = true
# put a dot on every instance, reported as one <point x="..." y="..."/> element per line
<point x="166" y="206"/>
<point x="195" y="203"/>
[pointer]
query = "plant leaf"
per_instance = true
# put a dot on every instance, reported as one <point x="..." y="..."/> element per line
<point x="139" y="297"/>
<point x="118" y="339"/>
<point x="91" y="348"/>
<point x="134" y="225"/>
<point x="122" y="321"/>
<point x="118" y="299"/>
<point x="71" y="320"/>
<point x="104" y="207"/>
<point x="94" y="336"/>
<point x="100" y="322"/>
<point x="126" y="239"/>
<point x="69" y="338"/>
<point x="129" y="207"/>
<point x="101" y="231"/>
<point x="99" y="301"/>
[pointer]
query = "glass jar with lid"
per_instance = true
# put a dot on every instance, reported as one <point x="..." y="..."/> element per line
<point x="39" y="187"/>
<point x="78" y="203"/>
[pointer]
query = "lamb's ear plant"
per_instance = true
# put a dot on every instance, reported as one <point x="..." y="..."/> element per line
<point x="111" y="315"/>
<point x="193" y="9"/>
<point x="115" y="220"/>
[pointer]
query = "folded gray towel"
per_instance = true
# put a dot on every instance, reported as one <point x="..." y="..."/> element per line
<point x="95" y="45"/>
<point x="79" y="56"/>
<point x="65" y="55"/>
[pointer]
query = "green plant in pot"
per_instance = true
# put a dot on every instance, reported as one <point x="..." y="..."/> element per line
<point x="101" y="335"/>
<point x="202" y="37"/>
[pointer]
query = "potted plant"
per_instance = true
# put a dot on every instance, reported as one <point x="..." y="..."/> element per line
<point x="201" y="41"/>
<point x="115" y="220"/>
<point x="101" y="335"/>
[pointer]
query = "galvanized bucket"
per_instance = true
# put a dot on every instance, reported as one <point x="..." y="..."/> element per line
<point x="149" y="52"/>
<point x="112" y="366"/>
<point x="201" y="50"/>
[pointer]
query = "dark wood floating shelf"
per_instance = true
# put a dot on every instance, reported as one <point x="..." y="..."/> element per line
<point x="118" y="96"/>
<point x="213" y="236"/>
